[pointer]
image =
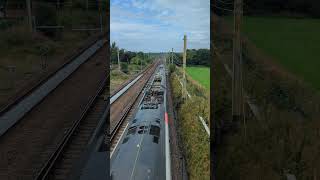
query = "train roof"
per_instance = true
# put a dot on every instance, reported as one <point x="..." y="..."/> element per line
<point x="141" y="152"/>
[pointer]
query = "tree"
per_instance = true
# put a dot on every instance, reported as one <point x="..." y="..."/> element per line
<point x="138" y="60"/>
<point x="124" y="67"/>
<point x="3" y="7"/>
<point x="203" y="57"/>
<point x="291" y="7"/>
<point x="47" y="15"/>
<point x="198" y="57"/>
<point x="114" y="53"/>
<point x="140" y="54"/>
<point x="125" y="57"/>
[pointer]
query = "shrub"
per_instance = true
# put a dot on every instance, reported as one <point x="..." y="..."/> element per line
<point x="15" y="36"/>
<point x="46" y="15"/>
<point x="194" y="138"/>
<point x="124" y="67"/>
<point x="172" y="68"/>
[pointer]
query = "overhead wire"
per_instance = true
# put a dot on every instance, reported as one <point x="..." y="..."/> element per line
<point x="224" y="2"/>
<point x="221" y="8"/>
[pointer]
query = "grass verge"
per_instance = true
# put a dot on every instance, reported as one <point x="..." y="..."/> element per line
<point x="284" y="141"/>
<point x="195" y="140"/>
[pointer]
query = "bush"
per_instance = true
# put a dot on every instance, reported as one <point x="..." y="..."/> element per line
<point x="194" y="138"/>
<point x="124" y="67"/>
<point x="15" y="36"/>
<point x="46" y="15"/>
<point x="172" y="68"/>
<point x="4" y="24"/>
<point x="79" y="5"/>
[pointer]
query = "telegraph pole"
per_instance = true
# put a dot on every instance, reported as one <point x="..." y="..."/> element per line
<point x="28" y="2"/>
<point x="172" y="56"/>
<point x="58" y="4"/>
<point x="100" y="14"/>
<point x="87" y="5"/>
<point x="119" y="61"/>
<point x="184" y="66"/>
<point x="141" y="62"/>
<point x="237" y="94"/>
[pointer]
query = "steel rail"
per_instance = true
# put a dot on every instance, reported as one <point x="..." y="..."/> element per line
<point x="71" y="58"/>
<point x="14" y="111"/>
<point x="129" y="81"/>
<point x="44" y="172"/>
<point x="46" y="169"/>
<point x="123" y="117"/>
<point x="125" y="89"/>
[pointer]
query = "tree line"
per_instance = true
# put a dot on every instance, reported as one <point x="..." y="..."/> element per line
<point x="195" y="57"/>
<point x="306" y="8"/>
<point x="128" y="57"/>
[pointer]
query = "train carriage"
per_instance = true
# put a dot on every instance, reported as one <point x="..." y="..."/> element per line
<point x="141" y="152"/>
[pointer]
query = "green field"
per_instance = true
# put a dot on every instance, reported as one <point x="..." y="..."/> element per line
<point x="292" y="42"/>
<point x="200" y="74"/>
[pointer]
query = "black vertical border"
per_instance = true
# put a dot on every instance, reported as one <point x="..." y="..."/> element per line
<point x="212" y="88"/>
<point x="107" y="37"/>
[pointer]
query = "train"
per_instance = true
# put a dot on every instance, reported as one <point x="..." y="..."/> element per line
<point x="141" y="153"/>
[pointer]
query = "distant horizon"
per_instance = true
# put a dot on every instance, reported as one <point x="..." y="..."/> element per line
<point x="159" y="25"/>
<point x="161" y="52"/>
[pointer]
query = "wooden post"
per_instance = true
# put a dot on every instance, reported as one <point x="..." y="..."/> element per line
<point x="184" y="66"/>
<point x="141" y="63"/>
<point x="237" y="95"/>
<point x="172" y="56"/>
<point x="28" y="2"/>
<point x="119" y="67"/>
<point x="100" y="14"/>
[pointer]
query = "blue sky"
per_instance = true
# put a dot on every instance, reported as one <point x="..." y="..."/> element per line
<point x="159" y="25"/>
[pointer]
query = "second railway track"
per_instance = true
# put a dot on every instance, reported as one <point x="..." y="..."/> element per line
<point x="125" y="106"/>
<point x="74" y="144"/>
<point x="35" y="138"/>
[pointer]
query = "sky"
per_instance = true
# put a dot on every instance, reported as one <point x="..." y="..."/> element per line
<point x="159" y="25"/>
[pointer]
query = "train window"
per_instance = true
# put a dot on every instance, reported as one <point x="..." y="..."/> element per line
<point x="155" y="130"/>
<point x="155" y="139"/>
<point x="134" y="121"/>
<point x="143" y="129"/>
<point x="132" y="130"/>
<point x="158" y="121"/>
<point x="125" y="140"/>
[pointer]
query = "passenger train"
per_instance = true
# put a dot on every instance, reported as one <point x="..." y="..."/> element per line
<point x="141" y="152"/>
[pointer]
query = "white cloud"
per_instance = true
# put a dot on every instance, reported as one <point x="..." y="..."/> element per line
<point x="163" y="22"/>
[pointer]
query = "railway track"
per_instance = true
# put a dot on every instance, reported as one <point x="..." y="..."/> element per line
<point x="74" y="143"/>
<point x="44" y="132"/>
<point x="14" y="111"/>
<point x="129" y="101"/>
<point x="67" y="156"/>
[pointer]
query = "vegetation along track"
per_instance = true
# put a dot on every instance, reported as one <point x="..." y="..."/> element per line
<point x="124" y="107"/>
<point x="28" y="145"/>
